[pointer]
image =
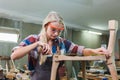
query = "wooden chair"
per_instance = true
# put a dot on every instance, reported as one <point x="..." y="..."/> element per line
<point x="113" y="24"/>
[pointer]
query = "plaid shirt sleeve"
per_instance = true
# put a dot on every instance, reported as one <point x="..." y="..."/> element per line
<point x="73" y="49"/>
<point x="32" y="55"/>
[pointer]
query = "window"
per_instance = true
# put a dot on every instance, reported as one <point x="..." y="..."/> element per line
<point x="9" y="34"/>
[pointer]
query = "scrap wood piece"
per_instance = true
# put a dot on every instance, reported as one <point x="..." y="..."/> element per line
<point x="10" y="75"/>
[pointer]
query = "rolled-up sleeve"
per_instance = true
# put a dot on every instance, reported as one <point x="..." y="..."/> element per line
<point x="14" y="48"/>
<point x="80" y="50"/>
<point x="76" y="49"/>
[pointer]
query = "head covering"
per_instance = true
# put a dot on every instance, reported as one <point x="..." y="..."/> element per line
<point x="53" y="17"/>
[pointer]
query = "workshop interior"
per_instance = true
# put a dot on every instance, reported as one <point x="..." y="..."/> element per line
<point x="89" y="23"/>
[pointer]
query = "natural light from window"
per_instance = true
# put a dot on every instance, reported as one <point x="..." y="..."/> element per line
<point x="9" y="37"/>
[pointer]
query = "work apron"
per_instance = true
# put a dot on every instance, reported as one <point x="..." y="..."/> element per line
<point x="43" y="72"/>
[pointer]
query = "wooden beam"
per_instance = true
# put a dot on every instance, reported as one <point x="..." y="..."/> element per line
<point x="79" y="58"/>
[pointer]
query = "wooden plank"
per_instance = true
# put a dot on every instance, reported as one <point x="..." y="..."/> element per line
<point x="79" y="58"/>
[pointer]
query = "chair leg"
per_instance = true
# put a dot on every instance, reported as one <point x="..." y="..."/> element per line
<point x="84" y="70"/>
<point x="112" y="68"/>
<point x="54" y="69"/>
